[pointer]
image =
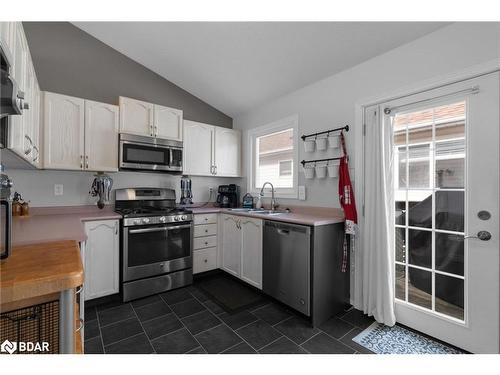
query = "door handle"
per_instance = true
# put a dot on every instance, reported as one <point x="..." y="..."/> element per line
<point x="482" y="235"/>
<point x="285" y="232"/>
<point x="86" y="162"/>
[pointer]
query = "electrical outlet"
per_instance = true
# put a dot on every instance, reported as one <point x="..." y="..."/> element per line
<point x="302" y="193"/>
<point x="58" y="189"/>
<point x="210" y="189"/>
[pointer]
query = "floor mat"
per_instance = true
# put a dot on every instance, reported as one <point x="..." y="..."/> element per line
<point x="382" y="339"/>
<point x="229" y="294"/>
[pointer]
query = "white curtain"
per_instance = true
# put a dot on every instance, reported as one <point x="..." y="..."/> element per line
<point x="374" y="258"/>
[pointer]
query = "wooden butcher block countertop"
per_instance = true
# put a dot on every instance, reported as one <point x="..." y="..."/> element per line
<point x="37" y="270"/>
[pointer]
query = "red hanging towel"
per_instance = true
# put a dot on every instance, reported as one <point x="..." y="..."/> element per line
<point x="346" y="196"/>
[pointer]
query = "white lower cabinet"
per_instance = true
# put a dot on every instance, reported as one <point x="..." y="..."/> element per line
<point x="205" y="242"/>
<point x="102" y="257"/>
<point x="242" y="248"/>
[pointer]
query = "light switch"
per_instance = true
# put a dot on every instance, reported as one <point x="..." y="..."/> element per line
<point x="302" y="193"/>
<point x="58" y="189"/>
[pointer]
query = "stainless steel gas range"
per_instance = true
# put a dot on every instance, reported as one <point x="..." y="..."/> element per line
<point x="156" y="242"/>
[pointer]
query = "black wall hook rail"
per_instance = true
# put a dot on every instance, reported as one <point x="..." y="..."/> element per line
<point x="346" y="128"/>
<point x="304" y="162"/>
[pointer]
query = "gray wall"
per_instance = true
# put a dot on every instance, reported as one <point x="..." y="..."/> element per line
<point x="69" y="61"/>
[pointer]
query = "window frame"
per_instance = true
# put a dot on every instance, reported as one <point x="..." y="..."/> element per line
<point x="290" y="122"/>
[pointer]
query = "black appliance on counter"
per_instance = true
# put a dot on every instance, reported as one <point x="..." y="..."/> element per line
<point x="156" y="242"/>
<point x="228" y="196"/>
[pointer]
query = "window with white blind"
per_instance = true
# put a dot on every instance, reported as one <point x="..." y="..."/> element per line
<point x="273" y="157"/>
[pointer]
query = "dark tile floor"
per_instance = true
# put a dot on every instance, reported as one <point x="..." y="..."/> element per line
<point x="187" y="321"/>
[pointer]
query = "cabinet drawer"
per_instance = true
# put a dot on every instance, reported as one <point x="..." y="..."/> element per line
<point x="205" y="219"/>
<point x="205" y="230"/>
<point x="204" y="242"/>
<point x="205" y="260"/>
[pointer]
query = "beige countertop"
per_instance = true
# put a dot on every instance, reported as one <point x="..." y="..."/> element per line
<point x="313" y="216"/>
<point x="49" y="224"/>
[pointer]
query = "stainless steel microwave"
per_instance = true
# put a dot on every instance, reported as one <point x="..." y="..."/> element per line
<point x="147" y="153"/>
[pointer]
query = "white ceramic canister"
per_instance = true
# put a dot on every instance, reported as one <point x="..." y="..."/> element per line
<point x="309" y="172"/>
<point x="333" y="141"/>
<point x="309" y="145"/>
<point x="333" y="170"/>
<point x="320" y="171"/>
<point x="321" y="143"/>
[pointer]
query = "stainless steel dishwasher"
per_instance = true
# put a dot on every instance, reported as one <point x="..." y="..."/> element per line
<point x="286" y="264"/>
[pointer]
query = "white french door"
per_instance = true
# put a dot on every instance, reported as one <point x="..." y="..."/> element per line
<point x="446" y="217"/>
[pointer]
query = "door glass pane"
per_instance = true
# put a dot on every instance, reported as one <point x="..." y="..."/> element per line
<point x="400" y="240"/>
<point x="420" y="208"/>
<point x="401" y="162"/>
<point x="418" y="167"/>
<point x="420" y="287"/>
<point x="400" y="278"/>
<point x="450" y="253"/>
<point x="450" y="296"/>
<point x="420" y="248"/>
<point x="450" y="164"/>
<point x="450" y="210"/>
<point x="400" y="214"/>
<point x="420" y="126"/>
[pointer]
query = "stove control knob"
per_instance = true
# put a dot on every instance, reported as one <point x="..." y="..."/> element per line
<point x="137" y="222"/>
<point x="184" y="217"/>
<point x="162" y="219"/>
<point x="177" y="218"/>
<point x="145" y="220"/>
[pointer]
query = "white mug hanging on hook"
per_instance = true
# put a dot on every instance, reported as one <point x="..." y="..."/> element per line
<point x="333" y="169"/>
<point x="333" y="140"/>
<point x="308" y="171"/>
<point x="321" y="171"/>
<point x="321" y="143"/>
<point x="309" y="145"/>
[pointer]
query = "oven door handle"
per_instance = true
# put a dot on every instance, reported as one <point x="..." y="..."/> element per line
<point x="158" y="229"/>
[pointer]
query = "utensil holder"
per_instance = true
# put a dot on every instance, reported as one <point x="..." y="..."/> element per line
<point x="333" y="141"/>
<point x="320" y="171"/>
<point x="308" y="173"/>
<point x="321" y="143"/>
<point x="333" y="170"/>
<point x="309" y="145"/>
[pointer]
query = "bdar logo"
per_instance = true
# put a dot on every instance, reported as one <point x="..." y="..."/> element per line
<point x="8" y="347"/>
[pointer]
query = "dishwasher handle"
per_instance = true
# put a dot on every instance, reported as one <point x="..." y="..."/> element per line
<point x="284" y="232"/>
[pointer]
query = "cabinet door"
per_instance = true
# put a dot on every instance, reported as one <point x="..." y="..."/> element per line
<point x="197" y="151"/>
<point x="101" y="136"/>
<point x="168" y="123"/>
<point x="251" y="251"/>
<point x="36" y="111"/>
<point x="28" y="116"/>
<point x="102" y="252"/>
<point x="136" y="117"/>
<point x="18" y="71"/>
<point x="7" y="36"/>
<point x="63" y="131"/>
<point x="227" y="150"/>
<point x="231" y="245"/>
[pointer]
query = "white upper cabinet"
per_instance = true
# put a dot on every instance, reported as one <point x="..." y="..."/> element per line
<point x="102" y="257"/>
<point x="7" y="35"/>
<point x="198" y="148"/>
<point x="211" y="150"/>
<point x="251" y="251"/>
<point x="64" y="118"/>
<point x="101" y="136"/>
<point x="150" y="120"/>
<point x="227" y="150"/>
<point x="136" y="117"/>
<point x="167" y="123"/>
<point x="79" y="134"/>
<point x="231" y="245"/>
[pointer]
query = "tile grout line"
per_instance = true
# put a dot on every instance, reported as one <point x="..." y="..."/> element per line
<point x="284" y="320"/>
<point x="126" y="338"/>
<point x="100" y="330"/>
<point x="143" y="330"/>
<point x="273" y="342"/>
<point x="232" y="330"/>
<point x="310" y="338"/>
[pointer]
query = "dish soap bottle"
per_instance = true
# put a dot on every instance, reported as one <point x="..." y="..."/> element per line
<point x="259" y="202"/>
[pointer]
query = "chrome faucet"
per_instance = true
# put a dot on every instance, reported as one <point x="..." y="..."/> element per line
<point x="273" y="201"/>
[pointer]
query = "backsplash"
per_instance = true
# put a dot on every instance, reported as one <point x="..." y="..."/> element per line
<point x="38" y="186"/>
